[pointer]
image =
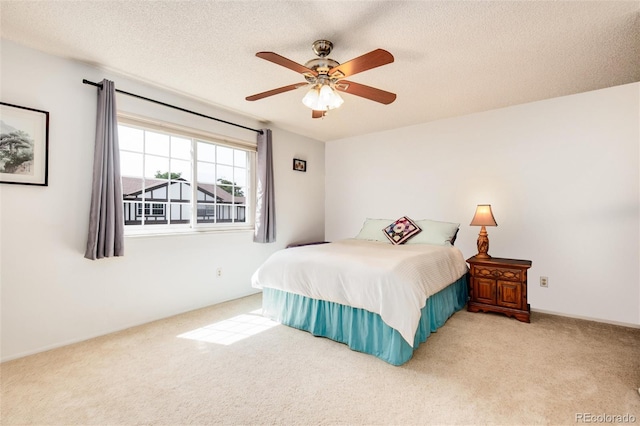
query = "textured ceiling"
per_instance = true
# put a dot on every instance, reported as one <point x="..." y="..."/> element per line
<point x="451" y="58"/>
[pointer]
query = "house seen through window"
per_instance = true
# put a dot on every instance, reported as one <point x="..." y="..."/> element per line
<point x="172" y="180"/>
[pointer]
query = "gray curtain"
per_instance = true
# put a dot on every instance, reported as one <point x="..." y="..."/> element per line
<point x="106" y="217"/>
<point x="265" y="199"/>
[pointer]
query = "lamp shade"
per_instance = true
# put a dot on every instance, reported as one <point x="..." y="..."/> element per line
<point x="483" y="216"/>
<point x="330" y="97"/>
<point x="311" y="99"/>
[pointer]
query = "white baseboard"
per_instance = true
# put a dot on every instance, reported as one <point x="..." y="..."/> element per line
<point x="621" y="324"/>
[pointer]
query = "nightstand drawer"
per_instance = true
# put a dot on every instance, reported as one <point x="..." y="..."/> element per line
<point x="497" y="273"/>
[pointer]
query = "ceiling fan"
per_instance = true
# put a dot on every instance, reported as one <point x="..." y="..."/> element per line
<point x="325" y="78"/>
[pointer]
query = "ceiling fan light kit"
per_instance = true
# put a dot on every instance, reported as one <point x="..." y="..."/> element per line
<point x="324" y="78"/>
<point x="322" y="97"/>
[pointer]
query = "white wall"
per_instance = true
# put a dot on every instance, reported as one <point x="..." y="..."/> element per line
<point x="562" y="176"/>
<point x="51" y="295"/>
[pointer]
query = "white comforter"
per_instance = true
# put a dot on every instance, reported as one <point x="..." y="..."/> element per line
<point x="392" y="281"/>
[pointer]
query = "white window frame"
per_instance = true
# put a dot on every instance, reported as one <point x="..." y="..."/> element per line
<point x="196" y="136"/>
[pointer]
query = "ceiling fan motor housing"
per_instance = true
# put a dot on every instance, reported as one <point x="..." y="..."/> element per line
<point x="321" y="65"/>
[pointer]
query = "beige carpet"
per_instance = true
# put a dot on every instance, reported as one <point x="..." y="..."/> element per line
<point x="477" y="369"/>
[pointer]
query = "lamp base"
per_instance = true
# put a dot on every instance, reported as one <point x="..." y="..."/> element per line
<point x="482" y="256"/>
<point x="483" y="244"/>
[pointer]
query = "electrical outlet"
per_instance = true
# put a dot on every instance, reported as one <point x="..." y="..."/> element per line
<point x="219" y="272"/>
<point x="544" y="281"/>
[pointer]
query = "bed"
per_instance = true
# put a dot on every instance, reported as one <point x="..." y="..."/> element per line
<point x="377" y="297"/>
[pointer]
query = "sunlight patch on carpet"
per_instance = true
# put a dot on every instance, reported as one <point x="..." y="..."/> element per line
<point x="231" y="330"/>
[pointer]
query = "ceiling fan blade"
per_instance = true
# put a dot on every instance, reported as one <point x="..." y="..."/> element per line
<point x="317" y="114"/>
<point x="287" y="63"/>
<point x="275" y="91"/>
<point x="366" y="91"/>
<point x="365" y="62"/>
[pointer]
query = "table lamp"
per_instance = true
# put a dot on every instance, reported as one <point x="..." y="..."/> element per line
<point x="483" y="217"/>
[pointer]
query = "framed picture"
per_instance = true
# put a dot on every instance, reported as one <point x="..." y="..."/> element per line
<point x="299" y="165"/>
<point x="24" y="145"/>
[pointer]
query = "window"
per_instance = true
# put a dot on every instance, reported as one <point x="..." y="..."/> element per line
<point x="173" y="179"/>
<point x="151" y="209"/>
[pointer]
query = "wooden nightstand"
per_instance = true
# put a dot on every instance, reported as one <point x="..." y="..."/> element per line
<point x="499" y="285"/>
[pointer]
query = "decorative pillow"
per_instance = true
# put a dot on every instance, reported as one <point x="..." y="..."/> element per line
<point x="435" y="232"/>
<point x="400" y="231"/>
<point x="371" y="230"/>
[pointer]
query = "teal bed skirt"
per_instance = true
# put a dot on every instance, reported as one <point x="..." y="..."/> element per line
<point x="361" y="330"/>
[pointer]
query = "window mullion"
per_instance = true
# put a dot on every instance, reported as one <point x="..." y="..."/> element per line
<point x="194" y="183"/>
<point x="143" y="216"/>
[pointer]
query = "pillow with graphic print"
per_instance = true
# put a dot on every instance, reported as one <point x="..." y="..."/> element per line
<point x="400" y="231"/>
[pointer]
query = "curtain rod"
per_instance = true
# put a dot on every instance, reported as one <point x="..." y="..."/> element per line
<point x="85" y="81"/>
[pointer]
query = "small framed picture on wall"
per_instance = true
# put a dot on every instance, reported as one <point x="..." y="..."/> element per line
<point x="24" y="145"/>
<point x="299" y="165"/>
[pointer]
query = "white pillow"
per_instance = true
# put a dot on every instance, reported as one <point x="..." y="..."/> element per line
<point x="434" y="232"/>
<point x="372" y="230"/>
